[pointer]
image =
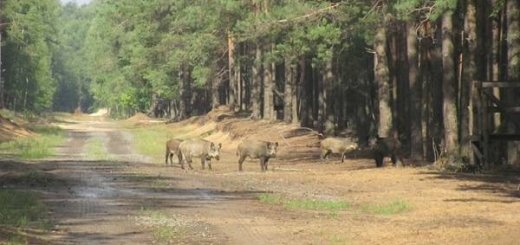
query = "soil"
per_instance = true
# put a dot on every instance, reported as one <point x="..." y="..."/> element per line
<point x="10" y="130"/>
<point x="114" y="201"/>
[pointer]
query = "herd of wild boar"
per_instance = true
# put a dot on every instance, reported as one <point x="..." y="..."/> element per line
<point x="206" y="150"/>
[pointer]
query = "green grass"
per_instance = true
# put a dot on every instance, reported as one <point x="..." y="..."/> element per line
<point x="35" y="147"/>
<point x="389" y="208"/>
<point x="165" y="229"/>
<point x="22" y="209"/>
<point x="334" y="206"/>
<point x="305" y="204"/>
<point x="95" y="149"/>
<point x="151" y="141"/>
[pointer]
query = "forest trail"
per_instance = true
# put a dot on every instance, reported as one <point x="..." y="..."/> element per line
<point x="122" y="198"/>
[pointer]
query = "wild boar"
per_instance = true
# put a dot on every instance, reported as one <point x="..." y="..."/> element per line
<point x="337" y="145"/>
<point x="172" y="148"/>
<point x="256" y="149"/>
<point x="203" y="149"/>
<point x="382" y="147"/>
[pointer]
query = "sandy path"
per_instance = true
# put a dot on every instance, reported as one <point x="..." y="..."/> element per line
<point x="103" y="201"/>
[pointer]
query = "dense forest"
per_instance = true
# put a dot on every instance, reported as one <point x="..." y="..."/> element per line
<point x="395" y="68"/>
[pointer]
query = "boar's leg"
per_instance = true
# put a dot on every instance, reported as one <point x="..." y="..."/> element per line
<point x="343" y="155"/>
<point x="265" y="163"/>
<point x="203" y="162"/>
<point x="188" y="160"/>
<point x="379" y="159"/>
<point x="262" y="162"/>
<point x="179" y="156"/>
<point x="167" y="155"/>
<point x="209" y="164"/>
<point x="325" y="154"/>
<point x="240" y="161"/>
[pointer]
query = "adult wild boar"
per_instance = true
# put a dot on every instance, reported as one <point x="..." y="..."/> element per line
<point x="172" y="148"/>
<point x="203" y="149"/>
<point x="337" y="145"/>
<point x="382" y="147"/>
<point x="256" y="149"/>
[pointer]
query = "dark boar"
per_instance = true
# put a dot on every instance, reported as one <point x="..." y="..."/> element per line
<point x="337" y="145"/>
<point x="383" y="147"/>
<point x="203" y="149"/>
<point x="172" y="148"/>
<point x="256" y="149"/>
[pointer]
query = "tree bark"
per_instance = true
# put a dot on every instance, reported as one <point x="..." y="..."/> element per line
<point x="469" y="120"/>
<point x="382" y="77"/>
<point x="256" y="84"/>
<point x="288" y="91"/>
<point x="268" y="88"/>
<point x="1" y="80"/>
<point x="416" y="139"/>
<point x="494" y="71"/>
<point x="232" y="73"/>
<point x="449" y="86"/>
<point x="513" y="71"/>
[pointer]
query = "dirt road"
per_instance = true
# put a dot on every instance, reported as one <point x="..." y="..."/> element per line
<point x="100" y="191"/>
<point x="124" y="199"/>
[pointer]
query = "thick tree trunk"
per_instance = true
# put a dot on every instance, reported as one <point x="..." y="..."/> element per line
<point x="268" y="88"/>
<point x="513" y="71"/>
<point x="469" y="119"/>
<point x="232" y="73"/>
<point x="382" y="77"/>
<point x="288" y="91"/>
<point x="323" y="105"/>
<point x="256" y="84"/>
<point x="449" y="87"/>
<point x="416" y="139"/>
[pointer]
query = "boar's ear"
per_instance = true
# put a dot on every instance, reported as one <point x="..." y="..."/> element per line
<point x="219" y="145"/>
<point x="211" y="145"/>
<point x="276" y="144"/>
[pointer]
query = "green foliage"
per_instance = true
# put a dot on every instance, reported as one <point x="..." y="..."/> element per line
<point x="306" y="204"/>
<point x="29" y="47"/>
<point x="22" y="209"/>
<point x="35" y="147"/>
<point x="390" y="208"/>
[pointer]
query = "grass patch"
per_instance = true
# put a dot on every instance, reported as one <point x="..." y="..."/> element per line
<point x="95" y="149"/>
<point x="151" y="141"/>
<point x="390" y="208"/>
<point x="36" y="147"/>
<point x="165" y="228"/>
<point x="21" y="210"/>
<point x="306" y="204"/>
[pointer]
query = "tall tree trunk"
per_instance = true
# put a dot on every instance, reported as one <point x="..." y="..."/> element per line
<point x="288" y="91"/>
<point x="494" y="63"/>
<point x="323" y="106"/>
<point x="232" y="73"/>
<point x="256" y="84"/>
<point x="296" y="90"/>
<point x="449" y="86"/>
<point x="416" y="139"/>
<point x="1" y="80"/>
<point x="215" y="93"/>
<point x="184" y="95"/>
<point x="513" y="71"/>
<point x="469" y="119"/>
<point x="304" y="93"/>
<point x="268" y="88"/>
<point x="382" y="77"/>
